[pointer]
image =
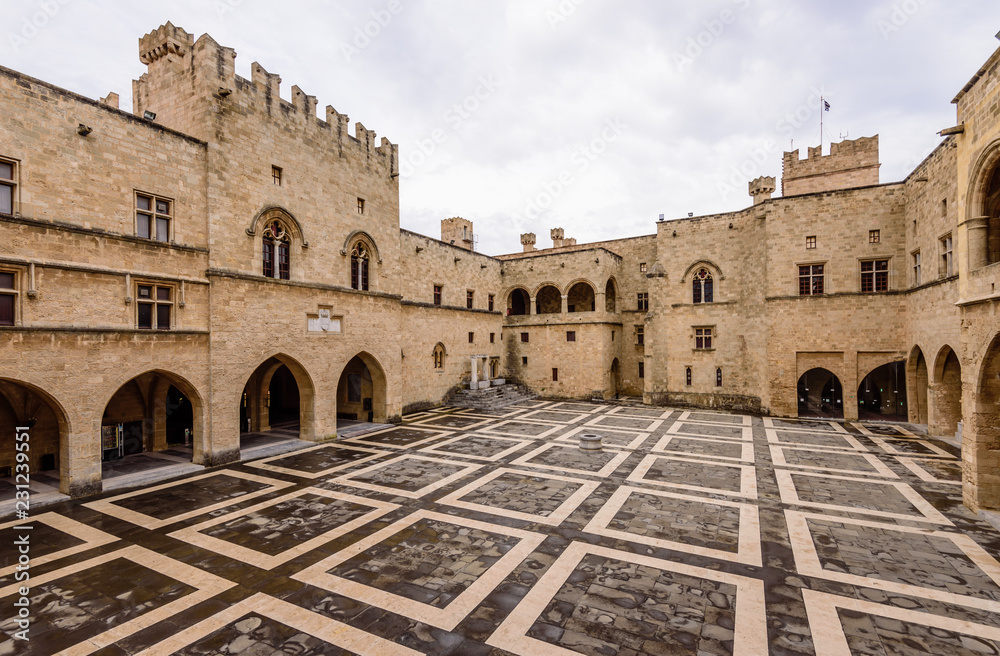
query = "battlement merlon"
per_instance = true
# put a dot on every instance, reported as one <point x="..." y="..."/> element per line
<point x="188" y="82"/>
<point x="851" y="163"/>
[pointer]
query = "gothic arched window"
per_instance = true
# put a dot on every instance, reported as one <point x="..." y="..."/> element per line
<point x="703" y="287"/>
<point x="359" y="267"/>
<point x="439" y="356"/>
<point x="277" y="258"/>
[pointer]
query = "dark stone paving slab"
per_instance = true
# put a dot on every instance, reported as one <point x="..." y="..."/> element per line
<point x="180" y="499"/>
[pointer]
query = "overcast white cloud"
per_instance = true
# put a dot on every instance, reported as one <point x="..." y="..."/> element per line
<point x="591" y="115"/>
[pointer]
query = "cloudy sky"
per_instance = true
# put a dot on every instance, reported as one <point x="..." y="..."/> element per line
<point x="590" y="115"/>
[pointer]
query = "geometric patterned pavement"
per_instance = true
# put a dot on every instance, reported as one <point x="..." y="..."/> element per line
<point x="463" y="532"/>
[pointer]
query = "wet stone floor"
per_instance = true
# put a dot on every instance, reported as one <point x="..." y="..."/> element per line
<point x="460" y="533"/>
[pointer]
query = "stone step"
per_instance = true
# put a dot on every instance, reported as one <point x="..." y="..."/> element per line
<point x="493" y="398"/>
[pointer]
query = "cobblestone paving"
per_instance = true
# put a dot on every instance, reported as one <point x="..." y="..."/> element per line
<point x="696" y="533"/>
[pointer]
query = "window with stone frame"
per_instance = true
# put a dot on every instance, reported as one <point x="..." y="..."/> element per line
<point x="360" y="266"/>
<point x="153" y="216"/>
<point x="8" y="186"/>
<point x="438" y="356"/>
<point x="490" y="302"/>
<point x="916" y="268"/>
<point x="154" y="306"/>
<point x="947" y="268"/>
<point x="470" y="298"/>
<point x="811" y="242"/>
<point x="643" y="305"/>
<point x="811" y="281"/>
<point x="640" y="335"/>
<point x="276" y="243"/>
<point x="570" y="335"/>
<point x="642" y="369"/>
<point x="718" y="377"/>
<point x="703" y="287"/>
<point x="687" y="376"/>
<point x="703" y="338"/>
<point x="437" y="294"/>
<point x="874" y="236"/>
<point x="874" y="276"/>
<point x="8" y="298"/>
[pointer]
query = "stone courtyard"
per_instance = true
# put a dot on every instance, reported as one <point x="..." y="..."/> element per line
<point x="469" y="532"/>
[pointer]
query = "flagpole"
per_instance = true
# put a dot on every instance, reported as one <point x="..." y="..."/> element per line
<point x="822" y="109"/>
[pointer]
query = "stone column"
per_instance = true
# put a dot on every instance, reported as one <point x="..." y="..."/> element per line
<point x="532" y="305"/>
<point x="565" y="304"/>
<point x="977" y="230"/>
<point x="474" y="382"/>
<point x="486" y="370"/>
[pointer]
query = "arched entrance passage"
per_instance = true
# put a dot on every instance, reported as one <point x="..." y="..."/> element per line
<point x="916" y="386"/>
<point x="820" y="395"/>
<point x="361" y="391"/>
<point x="276" y="403"/>
<point x="518" y="303"/>
<point x="610" y="298"/>
<point x="580" y="298"/>
<point x="945" y="394"/>
<point x="981" y="436"/>
<point x="615" y="378"/>
<point x="882" y="394"/>
<point x="548" y="300"/>
<point x="154" y="420"/>
<point x="25" y="406"/>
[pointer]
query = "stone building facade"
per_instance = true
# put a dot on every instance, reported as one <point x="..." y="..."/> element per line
<point x="220" y="261"/>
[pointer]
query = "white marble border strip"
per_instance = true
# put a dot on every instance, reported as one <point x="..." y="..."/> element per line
<point x="308" y="622"/>
<point x="573" y="436"/>
<point x="477" y="423"/>
<point x="572" y="417"/>
<point x="464" y="470"/>
<point x="604" y="472"/>
<point x="364" y="439"/>
<point x="880" y="468"/>
<point x="746" y="455"/>
<point x="748" y="476"/>
<point x="935" y="451"/>
<point x="745" y="420"/>
<point x="446" y="618"/>
<point x="623" y="411"/>
<point x="265" y="464"/>
<point x="748" y="551"/>
<point x="913" y="465"/>
<point x="91" y="537"/>
<point x="206" y="586"/>
<point x="495" y="429"/>
<point x="830" y="639"/>
<point x="653" y="423"/>
<point x="790" y="496"/>
<point x="746" y="432"/>
<point x="807" y="562"/>
<point x="436" y="449"/>
<point x="557" y="517"/>
<point x="193" y="534"/>
<point x="512" y="634"/>
<point x="590" y="410"/>
<point x="108" y="507"/>
<point x="835" y="426"/>
<point x="774" y="437"/>
<point x="903" y="432"/>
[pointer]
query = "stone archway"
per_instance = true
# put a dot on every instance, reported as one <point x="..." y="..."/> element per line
<point x="917" y="386"/>
<point x="25" y="406"/>
<point x="361" y="390"/>
<point x="820" y="394"/>
<point x="945" y="407"/>
<point x="276" y="403"/>
<point x="882" y="394"/>
<point x="981" y="436"/>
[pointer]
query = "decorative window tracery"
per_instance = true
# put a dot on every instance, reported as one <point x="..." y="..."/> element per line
<point x="360" y="259"/>
<point x="703" y="287"/>
<point x="277" y="251"/>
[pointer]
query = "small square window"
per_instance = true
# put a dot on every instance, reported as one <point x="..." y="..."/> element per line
<point x="874" y="236"/>
<point x="437" y="294"/>
<point x="524" y="361"/>
<point x="570" y="335"/>
<point x="472" y="338"/>
<point x="811" y="242"/>
<point x="276" y="175"/>
<point x="361" y="206"/>
<point x="555" y="375"/>
<point x="642" y="267"/>
<point x="524" y="338"/>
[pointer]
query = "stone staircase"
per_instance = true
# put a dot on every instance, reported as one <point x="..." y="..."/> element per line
<point x="491" y="398"/>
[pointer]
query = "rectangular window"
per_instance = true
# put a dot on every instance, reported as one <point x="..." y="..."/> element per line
<point x="875" y="276"/>
<point x="640" y="336"/>
<point x="469" y="299"/>
<point x="361" y="206"/>
<point x="643" y="302"/>
<point x="153" y="306"/>
<point x="472" y="338"/>
<point x="437" y="294"/>
<point x="916" y="268"/>
<point x="8" y="187"/>
<point x="642" y="267"/>
<point x="493" y="337"/>
<point x="555" y="375"/>
<point x="687" y="376"/>
<point x="490" y="305"/>
<point x="276" y="175"/>
<point x="570" y="335"/>
<point x="874" y="236"/>
<point x="8" y="298"/>
<point x="152" y="217"/>
<point x="947" y="270"/>
<point x="811" y="280"/>
<point x="703" y="338"/>
<point x="811" y="242"/>
<point x="284" y="271"/>
<point x="642" y="370"/>
<point x="612" y="335"/>
<point x="524" y="361"/>
<point x="524" y="338"/>
<point x="718" y="377"/>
